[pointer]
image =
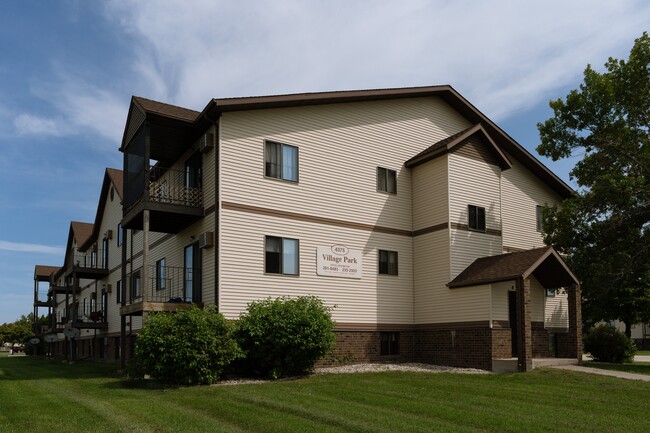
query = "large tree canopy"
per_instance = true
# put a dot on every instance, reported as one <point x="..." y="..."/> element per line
<point x="605" y="229"/>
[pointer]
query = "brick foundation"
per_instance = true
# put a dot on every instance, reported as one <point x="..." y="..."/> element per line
<point x="365" y="346"/>
<point x="540" y="340"/>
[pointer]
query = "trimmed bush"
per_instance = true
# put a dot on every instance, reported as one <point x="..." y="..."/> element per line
<point x="607" y="344"/>
<point x="285" y="336"/>
<point x="188" y="347"/>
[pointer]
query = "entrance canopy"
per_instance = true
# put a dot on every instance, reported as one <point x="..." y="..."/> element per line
<point x="545" y="264"/>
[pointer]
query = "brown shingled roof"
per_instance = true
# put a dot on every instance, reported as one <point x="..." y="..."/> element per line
<point x="168" y="110"/>
<point x="43" y="272"/>
<point x="117" y="178"/>
<point x="447" y="144"/>
<point x="82" y="231"/>
<point x="544" y="263"/>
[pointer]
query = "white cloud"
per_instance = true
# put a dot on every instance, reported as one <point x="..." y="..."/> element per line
<point x="503" y="55"/>
<point x="21" y="247"/>
<point x="29" y="124"/>
<point x="82" y="107"/>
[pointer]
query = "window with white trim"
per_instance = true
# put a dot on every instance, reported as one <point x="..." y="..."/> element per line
<point x="386" y="180"/>
<point x="281" y="161"/>
<point x="476" y="218"/>
<point x="281" y="256"/>
<point x="388" y="262"/>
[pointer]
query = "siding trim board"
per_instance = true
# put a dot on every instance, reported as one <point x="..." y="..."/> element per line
<point x="329" y="221"/>
<point x="466" y="228"/>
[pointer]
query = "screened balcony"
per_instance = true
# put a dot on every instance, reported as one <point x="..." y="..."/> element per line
<point x="173" y="197"/>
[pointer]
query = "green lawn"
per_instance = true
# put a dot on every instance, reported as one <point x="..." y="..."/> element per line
<point x="643" y="352"/>
<point x="49" y="396"/>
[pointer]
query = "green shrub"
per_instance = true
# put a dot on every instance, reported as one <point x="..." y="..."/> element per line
<point x="187" y="347"/>
<point x="285" y="336"/>
<point x="607" y="344"/>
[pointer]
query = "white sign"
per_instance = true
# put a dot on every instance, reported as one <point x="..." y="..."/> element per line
<point x="71" y="332"/>
<point x="339" y="261"/>
<point x="50" y="338"/>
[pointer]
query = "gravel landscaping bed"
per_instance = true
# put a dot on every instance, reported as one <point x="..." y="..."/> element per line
<point x="427" y="368"/>
<point x="367" y="368"/>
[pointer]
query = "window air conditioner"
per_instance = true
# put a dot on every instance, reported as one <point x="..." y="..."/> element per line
<point x="109" y="234"/>
<point x="206" y="142"/>
<point x="206" y="240"/>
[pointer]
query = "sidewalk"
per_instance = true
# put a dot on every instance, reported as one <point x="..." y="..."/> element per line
<point x="619" y="374"/>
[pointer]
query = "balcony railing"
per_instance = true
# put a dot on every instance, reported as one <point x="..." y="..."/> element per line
<point x="90" y="315"/>
<point x="89" y="260"/>
<point x="165" y="284"/>
<point x="172" y="186"/>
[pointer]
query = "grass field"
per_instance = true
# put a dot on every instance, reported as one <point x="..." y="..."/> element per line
<point x="49" y="396"/>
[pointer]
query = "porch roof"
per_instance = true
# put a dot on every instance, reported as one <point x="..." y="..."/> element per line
<point x="544" y="263"/>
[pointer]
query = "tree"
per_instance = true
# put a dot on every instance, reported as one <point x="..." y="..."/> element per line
<point x="605" y="228"/>
<point x="19" y="331"/>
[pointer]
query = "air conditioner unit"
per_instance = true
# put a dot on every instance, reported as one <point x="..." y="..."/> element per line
<point x="109" y="234"/>
<point x="206" y="240"/>
<point x="206" y="143"/>
<point x="109" y="288"/>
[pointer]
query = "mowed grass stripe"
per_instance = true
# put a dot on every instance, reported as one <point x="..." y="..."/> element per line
<point x="86" y="397"/>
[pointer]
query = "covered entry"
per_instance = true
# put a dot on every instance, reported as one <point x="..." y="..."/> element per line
<point x="522" y="269"/>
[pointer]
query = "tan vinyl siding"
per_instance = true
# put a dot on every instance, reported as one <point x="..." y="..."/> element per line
<point x="473" y="181"/>
<point x="372" y="299"/>
<point x="522" y="192"/>
<point x="340" y="147"/>
<point x="557" y="311"/>
<point x="431" y="274"/>
<point x="430" y="194"/>
<point x="500" y="299"/>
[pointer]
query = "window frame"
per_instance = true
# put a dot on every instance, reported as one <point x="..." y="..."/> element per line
<point x="390" y="346"/>
<point x="267" y="145"/>
<point x="477" y="218"/>
<point x="388" y="270"/>
<point x="382" y="184"/>
<point x="118" y="290"/>
<point x="161" y="274"/>
<point x="136" y="289"/>
<point x="539" y="218"/>
<point x="282" y="269"/>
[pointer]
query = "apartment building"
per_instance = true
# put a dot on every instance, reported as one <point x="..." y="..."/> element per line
<point x="407" y="210"/>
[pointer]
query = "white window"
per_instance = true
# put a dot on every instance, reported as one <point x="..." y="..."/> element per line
<point x="281" y="161"/>
<point x="386" y="180"/>
<point x="281" y="256"/>
<point x="476" y="218"/>
<point x="388" y="262"/>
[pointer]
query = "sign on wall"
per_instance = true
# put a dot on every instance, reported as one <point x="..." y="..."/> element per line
<point x="339" y="261"/>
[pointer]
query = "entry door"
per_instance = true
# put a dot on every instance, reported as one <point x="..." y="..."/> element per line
<point x="512" y="318"/>
<point x="192" y="273"/>
<point x="193" y="171"/>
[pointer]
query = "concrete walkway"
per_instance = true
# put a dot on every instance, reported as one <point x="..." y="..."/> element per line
<point x="612" y="373"/>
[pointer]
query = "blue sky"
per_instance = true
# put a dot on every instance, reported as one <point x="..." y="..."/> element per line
<point x="69" y="68"/>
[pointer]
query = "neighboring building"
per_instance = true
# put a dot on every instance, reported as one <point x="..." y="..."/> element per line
<point x="407" y="210"/>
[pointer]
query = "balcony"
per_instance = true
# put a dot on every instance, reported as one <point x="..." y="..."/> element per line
<point x="168" y="288"/>
<point x="87" y="318"/>
<point x="173" y="198"/>
<point x="90" y="266"/>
